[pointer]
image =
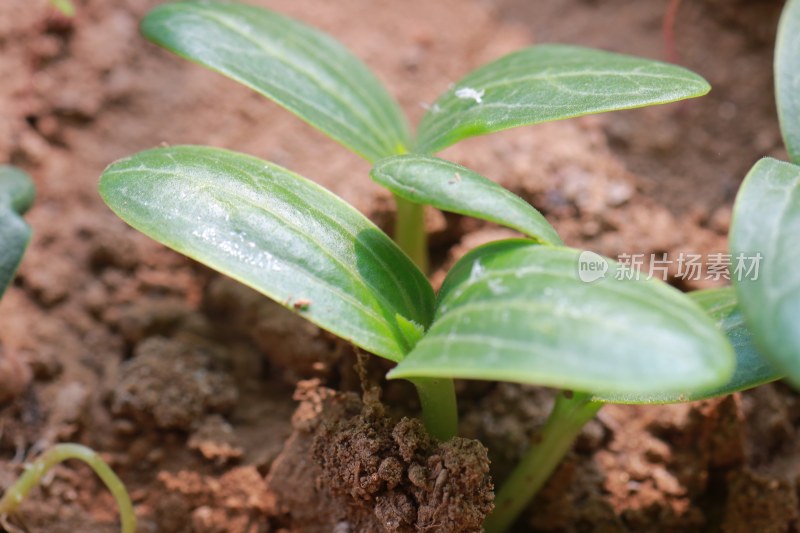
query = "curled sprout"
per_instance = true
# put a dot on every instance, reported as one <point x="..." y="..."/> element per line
<point x="59" y="453"/>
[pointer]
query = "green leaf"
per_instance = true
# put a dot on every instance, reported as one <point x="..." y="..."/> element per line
<point x="766" y="223"/>
<point x="278" y="233"/>
<point x="787" y="77"/>
<point x="300" y="68"/>
<point x="752" y="369"/>
<point x="550" y="82"/>
<point x="456" y="189"/>
<point x="516" y="311"/>
<point x="16" y="197"/>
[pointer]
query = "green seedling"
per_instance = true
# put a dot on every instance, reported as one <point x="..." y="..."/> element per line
<point x="766" y="219"/>
<point x="573" y="410"/>
<point x="16" y="196"/>
<point x="59" y="453"/>
<point x="316" y="78"/>
<point x="513" y="310"/>
<point x="517" y="310"/>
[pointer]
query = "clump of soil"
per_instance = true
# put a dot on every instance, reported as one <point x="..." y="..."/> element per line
<point x="375" y="474"/>
<point x="172" y="383"/>
<point x="216" y="440"/>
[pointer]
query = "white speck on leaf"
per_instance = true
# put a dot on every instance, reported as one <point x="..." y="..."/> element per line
<point x="468" y="93"/>
<point x="497" y="287"/>
<point x="477" y="271"/>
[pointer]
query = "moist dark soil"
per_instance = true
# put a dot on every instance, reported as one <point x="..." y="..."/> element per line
<point x="223" y="412"/>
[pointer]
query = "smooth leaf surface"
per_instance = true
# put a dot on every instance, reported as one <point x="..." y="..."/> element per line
<point x="279" y="233"/>
<point x="456" y="189"/>
<point x="16" y="196"/>
<point x="751" y="371"/>
<point x="550" y="82"/>
<point x="300" y="68"/>
<point x="787" y="77"/>
<point x="516" y="311"/>
<point x="766" y="222"/>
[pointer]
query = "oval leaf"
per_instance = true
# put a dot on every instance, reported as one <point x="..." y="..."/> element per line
<point x="787" y="77"/>
<point x="279" y="233"/>
<point x="752" y="369"/>
<point x="16" y="196"/>
<point x="456" y="189"/>
<point x="765" y="256"/>
<point x="517" y="311"/>
<point x="550" y="82"/>
<point x="300" y="68"/>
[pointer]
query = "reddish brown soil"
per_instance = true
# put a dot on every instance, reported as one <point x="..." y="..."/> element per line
<point x="184" y="380"/>
<point x="370" y="473"/>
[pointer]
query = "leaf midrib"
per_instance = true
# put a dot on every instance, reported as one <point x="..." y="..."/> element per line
<point x="309" y="274"/>
<point x="354" y="237"/>
<point x="527" y="305"/>
<point x="618" y="289"/>
<point x="224" y="194"/>
<point x="484" y="186"/>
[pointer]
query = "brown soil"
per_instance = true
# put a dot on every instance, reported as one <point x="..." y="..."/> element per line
<point x="184" y="380"/>
<point x="370" y="473"/>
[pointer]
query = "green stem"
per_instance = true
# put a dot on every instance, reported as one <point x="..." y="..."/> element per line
<point x="569" y="415"/>
<point x="439" y="408"/>
<point x="58" y="454"/>
<point x="409" y="231"/>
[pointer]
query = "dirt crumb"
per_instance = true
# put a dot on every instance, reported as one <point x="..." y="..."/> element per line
<point x="216" y="440"/>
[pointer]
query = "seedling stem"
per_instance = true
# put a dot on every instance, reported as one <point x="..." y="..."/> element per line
<point x="409" y="233"/>
<point x="569" y="415"/>
<point x="439" y="408"/>
<point x="59" y="453"/>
